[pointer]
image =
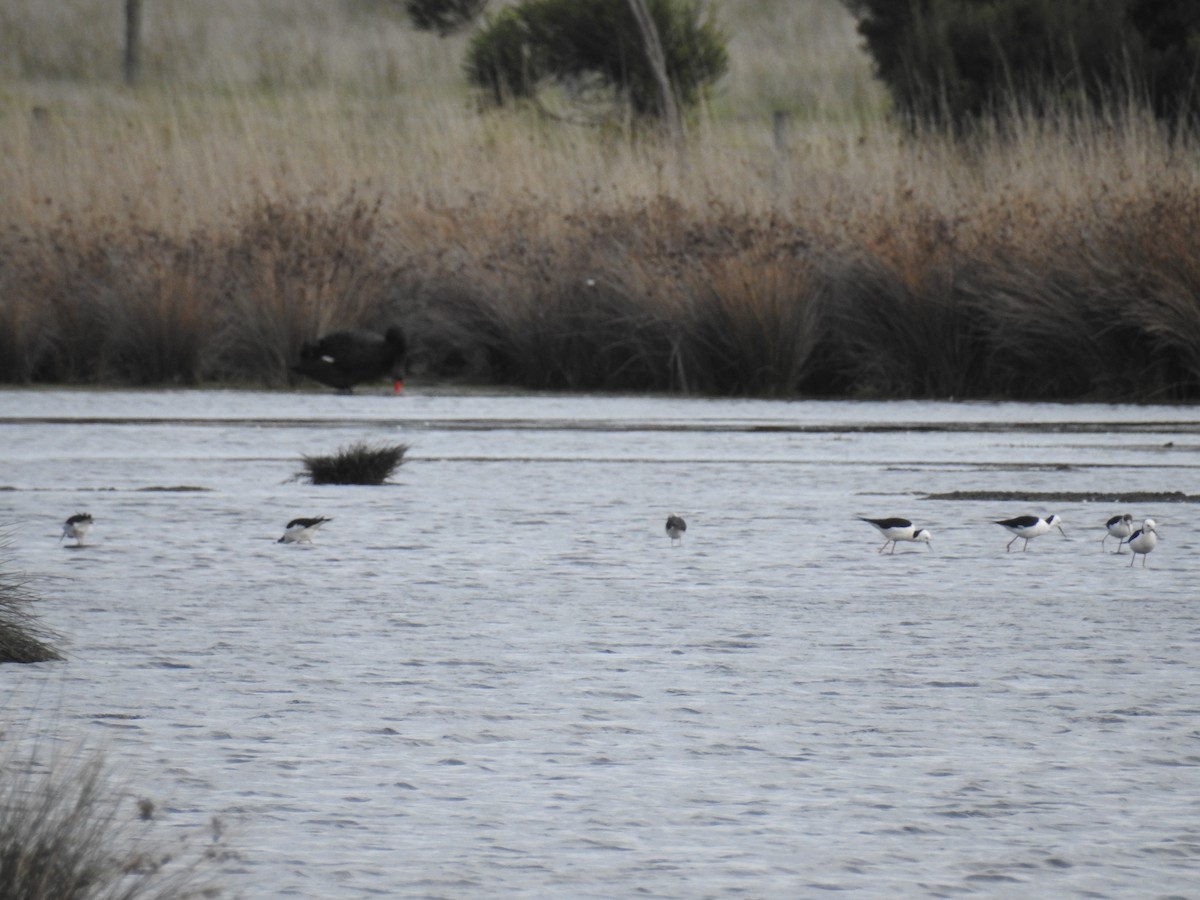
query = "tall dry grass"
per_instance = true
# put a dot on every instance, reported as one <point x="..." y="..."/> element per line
<point x="289" y="167"/>
<point x="70" y="832"/>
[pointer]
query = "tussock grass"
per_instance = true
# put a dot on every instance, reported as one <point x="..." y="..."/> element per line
<point x="69" y="833"/>
<point x="285" y="171"/>
<point x="22" y="637"/>
<point x="359" y="463"/>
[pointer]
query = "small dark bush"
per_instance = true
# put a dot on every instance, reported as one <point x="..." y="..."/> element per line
<point x="577" y="41"/>
<point x="357" y="464"/>
<point x="443" y="16"/>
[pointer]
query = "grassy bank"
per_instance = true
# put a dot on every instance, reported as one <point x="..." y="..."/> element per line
<point x="265" y="184"/>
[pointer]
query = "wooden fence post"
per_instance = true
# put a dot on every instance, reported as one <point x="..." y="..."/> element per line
<point x="133" y="30"/>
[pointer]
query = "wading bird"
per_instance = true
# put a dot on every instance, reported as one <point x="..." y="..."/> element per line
<point x="302" y="530"/>
<point x="1030" y="527"/>
<point x="899" y="530"/>
<point x="675" y="528"/>
<point x="1143" y="541"/>
<point x="343" y="359"/>
<point x="77" y="527"/>
<point x="1119" y="527"/>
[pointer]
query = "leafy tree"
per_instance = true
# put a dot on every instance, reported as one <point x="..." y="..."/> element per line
<point x="952" y="61"/>
<point x="538" y="42"/>
<point x="443" y="16"/>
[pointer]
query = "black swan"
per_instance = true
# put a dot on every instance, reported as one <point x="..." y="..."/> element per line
<point x="342" y="359"/>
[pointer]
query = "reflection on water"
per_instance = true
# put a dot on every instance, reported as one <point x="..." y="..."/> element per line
<point x="496" y="676"/>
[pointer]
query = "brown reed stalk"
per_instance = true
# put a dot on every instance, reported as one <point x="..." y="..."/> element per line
<point x="293" y="271"/>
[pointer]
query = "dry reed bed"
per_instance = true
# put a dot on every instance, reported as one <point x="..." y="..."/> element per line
<point x="268" y="184"/>
<point x="1018" y="296"/>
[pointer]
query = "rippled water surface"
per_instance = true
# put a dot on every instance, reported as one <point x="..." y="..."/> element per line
<point x="496" y="677"/>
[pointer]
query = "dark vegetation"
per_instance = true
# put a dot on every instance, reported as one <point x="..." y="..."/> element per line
<point x="443" y="16"/>
<point x="1129" y="497"/>
<point x="22" y="638"/>
<point x="68" y="833"/>
<point x="955" y="62"/>
<point x="1025" y="300"/>
<point x="604" y="44"/>
<point x="360" y="463"/>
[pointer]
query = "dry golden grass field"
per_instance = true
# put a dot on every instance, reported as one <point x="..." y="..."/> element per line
<point x="287" y="166"/>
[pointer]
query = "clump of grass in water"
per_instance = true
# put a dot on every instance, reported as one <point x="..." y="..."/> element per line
<point x="359" y="463"/>
<point x="22" y="640"/>
<point x="65" y="835"/>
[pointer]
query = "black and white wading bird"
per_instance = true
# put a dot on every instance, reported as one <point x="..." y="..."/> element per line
<point x="1120" y="527"/>
<point x="675" y="528"/>
<point x="1143" y="541"/>
<point x="301" y="531"/>
<point x="1027" y="527"/>
<point x="343" y="359"/>
<point x="899" y="530"/>
<point x="77" y="527"/>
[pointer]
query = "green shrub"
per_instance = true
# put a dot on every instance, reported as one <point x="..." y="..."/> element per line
<point x="443" y="16"/>
<point x="576" y="42"/>
<point x="950" y="62"/>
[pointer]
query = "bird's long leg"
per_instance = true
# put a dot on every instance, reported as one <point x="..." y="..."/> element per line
<point x="884" y="547"/>
<point x="1026" y="547"/>
<point x="1008" y="547"/>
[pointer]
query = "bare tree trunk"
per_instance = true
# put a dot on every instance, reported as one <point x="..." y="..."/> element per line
<point x="133" y="33"/>
<point x="667" y="107"/>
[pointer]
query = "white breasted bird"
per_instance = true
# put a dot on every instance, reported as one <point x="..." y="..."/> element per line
<point x="1027" y="527"/>
<point x="77" y="527"/>
<point x="675" y="528"/>
<point x="1143" y="541"/>
<point x="301" y="531"/>
<point x="899" y="530"/>
<point x="1120" y="527"/>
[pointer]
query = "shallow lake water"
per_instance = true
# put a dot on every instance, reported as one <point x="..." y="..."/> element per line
<point x="495" y="676"/>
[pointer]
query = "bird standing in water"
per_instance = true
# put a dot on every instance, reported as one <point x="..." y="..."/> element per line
<point x="77" y="527"/>
<point x="301" y="531"/>
<point x="1143" y="541"/>
<point x="675" y="528"/>
<point x="1120" y="527"/>
<point x="1027" y="527"/>
<point x="899" y="530"/>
